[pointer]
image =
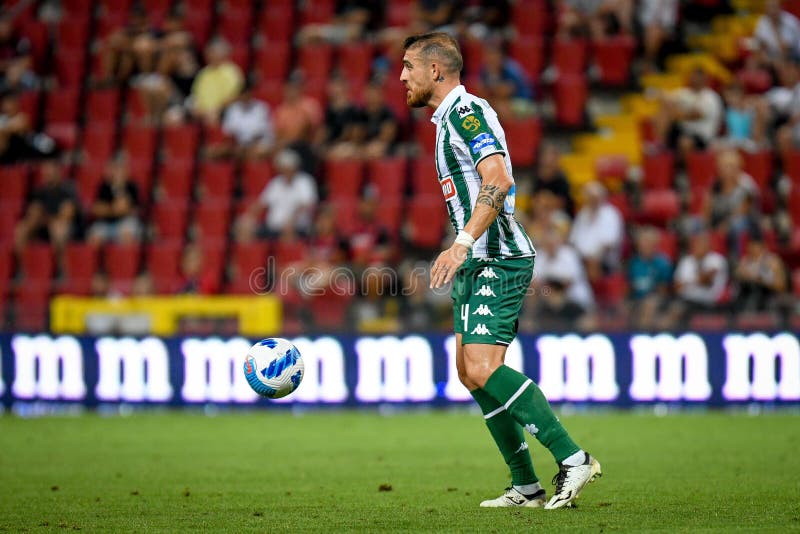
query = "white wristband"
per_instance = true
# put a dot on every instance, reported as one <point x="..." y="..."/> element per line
<point x="464" y="238"/>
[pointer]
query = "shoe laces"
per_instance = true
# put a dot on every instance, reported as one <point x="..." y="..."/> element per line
<point x="560" y="477"/>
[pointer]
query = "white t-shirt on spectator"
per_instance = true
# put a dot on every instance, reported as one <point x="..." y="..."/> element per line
<point x="789" y="31"/>
<point x="565" y="266"/>
<point x="687" y="275"/>
<point x="248" y="122"/>
<point x="283" y="198"/>
<point x="663" y="13"/>
<point x="709" y="104"/>
<point x="594" y="231"/>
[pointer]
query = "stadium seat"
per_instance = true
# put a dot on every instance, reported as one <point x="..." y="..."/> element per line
<point x="316" y="11"/>
<point x="157" y="11"/>
<point x="759" y="165"/>
<point x="793" y="203"/>
<point x="110" y="17"/>
<point x="211" y="220"/>
<point x="277" y="22"/>
<point x="240" y="55"/>
<point x="102" y="107"/>
<point x="659" y="170"/>
<point x="141" y="173"/>
<point x="14" y="181"/>
<point x="388" y="175"/>
<point x="248" y="263"/>
<point x="754" y="321"/>
<point x="472" y="51"/>
<point x="621" y="202"/>
<point x="668" y="244"/>
<point x="523" y="137"/>
<point x="702" y="169"/>
<point x="530" y="17"/>
<point x="426" y="218"/>
<point x="719" y="242"/>
<point x="571" y="93"/>
<point x="425" y="133"/>
<point x="179" y="142"/>
<point x="215" y="180"/>
<point x="121" y="261"/>
<point x="424" y="179"/>
<point x="316" y="61"/>
<point x="163" y="259"/>
<point x="611" y="167"/>
<point x="169" y="219"/>
<point x="80" y="265"/>
<point x="29" y="103"/>
<point x="31" y="306"/>
<point x="6" y="271"/>
<point x="530" y="53"/>
<point x="88" y="179"/>
<point x="38" y="34"/>
<point x="99" y="141"/>
<point x="69" y="67"/>
<point x="36" y="264"/>
<point x="270" y="91"/>
<point x="754" y="81"/>
<point x="139" y="142"/>
<point x="273" y="61"/>
<point x="355" y="63"/>
<point x="709" y="322"/>
<point x="569" y="56"/>
<point x="613" y="56"/>
<point x="791" y="165"/>
<point x="9" y="216"/>
<point x="198" y="23"/>
<point x="611" y="290"/>
<point x="659" y="207"/>
<point x="394" y="94"/>
<point x="344" y="178"/>
<point x="329" y="311"/>
<point x="255" y="176"/>
<point x="399" y="13"/>
<point x="286" y="252"/>
<point x="61" y="115"/>
<point x="175" y="180"/>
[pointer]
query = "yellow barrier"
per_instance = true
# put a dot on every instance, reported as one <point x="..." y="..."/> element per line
<point x="256" y="315"/>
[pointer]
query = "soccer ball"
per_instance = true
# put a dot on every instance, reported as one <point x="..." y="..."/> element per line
<point x="273" y="367"/>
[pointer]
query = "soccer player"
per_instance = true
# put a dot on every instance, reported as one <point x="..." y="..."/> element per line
<point x="491" y="266"/>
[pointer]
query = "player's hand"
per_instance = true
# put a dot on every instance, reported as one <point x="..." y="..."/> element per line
<point x="446" y="265"/>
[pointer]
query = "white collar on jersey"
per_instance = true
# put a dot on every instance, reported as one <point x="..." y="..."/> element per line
<point x="454" y="93"/>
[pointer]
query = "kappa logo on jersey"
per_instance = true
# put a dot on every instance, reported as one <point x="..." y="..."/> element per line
<point x="522" y="447"/>
<point x="531" y="429"/>
<point x="481" y="141"/>
<point x="488" y="272"/>
<point x="463" y="111"/>
<point x="483" y="309"/>
<point x="485" y="291"/>
<point x="471" y="123"/>
<point x="448" y="188"/>
<point x="481" y="330"/>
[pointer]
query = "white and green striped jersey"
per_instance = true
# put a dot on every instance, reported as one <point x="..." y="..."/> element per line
<point x="467" y="131"/>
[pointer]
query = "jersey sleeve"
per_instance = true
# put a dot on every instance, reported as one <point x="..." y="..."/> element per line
<point x="472" y="126"/>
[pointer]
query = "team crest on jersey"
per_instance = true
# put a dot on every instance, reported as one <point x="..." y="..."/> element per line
<point x="463" y="111"/>
<point x="448" y="188"/>
<point x="481" y="141"/>
<point x="471" y="123"/>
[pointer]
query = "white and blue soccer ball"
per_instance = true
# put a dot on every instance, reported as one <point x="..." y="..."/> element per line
<point x="273" y="367"/>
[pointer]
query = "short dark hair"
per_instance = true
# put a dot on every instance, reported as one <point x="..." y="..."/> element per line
<point x="440" y="46"/>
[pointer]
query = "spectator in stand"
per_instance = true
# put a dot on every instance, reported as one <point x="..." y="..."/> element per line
<point x="777" y="33"/>
<point x="343" y="119"/>
<point x="649" y="279"/>
<point x="16" y="61"/>
<point x="380" y="127"/>
<point x="658" y="19"/>
<point x="505" y="84"/>
<point x="248" y="124"/>
<point x="594" y="18"/>
<point x="18" y="141"/>
<point x="778" y="108"/>
<point x="740" y="118"/>
<point x="689" y="118"/>
<point x="194" y="278"/>
<point x="597" y="232"/>
<point x="732" y="206"/>
<point x="289" y="199"/>
<point x="760" y="278"/>
<point x="116" y="207"/>
<point x="563" y="294"/>
<point x="436" y="15"/>
<point x="298" y="117"/>
<point x="130" y="50"/>
<point x="700" y="281"/>
<point x="53" y="213"/>
<point x="550" y="178"/>
<point x="353" y="18"/>
<point x="370" y="243"/>
<point x="217" y="84"/>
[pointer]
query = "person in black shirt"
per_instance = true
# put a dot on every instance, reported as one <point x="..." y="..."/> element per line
<point x="342" y="121"/>
<point x="380" y="126"/>
<point x="53" y="212"/>
<point x="549" y="177"/>
<point x="115" y="209"/>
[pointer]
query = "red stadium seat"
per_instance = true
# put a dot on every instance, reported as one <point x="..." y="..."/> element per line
<point x="793" y="203"/>
<point x="668" y="244"/>
<point x="80" y="265"/>
<point x="179" y="142"/>
<point x="255" y="176"/>
<point x="248" y="264"/>
<point x="31" y="306"/>
<point x="9" y="216"/>
<point x="426" y="216"/>
<point x="139" y="142"/>
<point x="315" y="61"/>
<point x="355" y="62"/>
<point x="317" y="11"/>
<point x="157" y="11"/>
<point x="70" y="66"/>
<point x="287" y="252"/>
<point x="102" y="107"/>
<point x="530" y="17"/>
<point x="6" y="271"/>
<point x="170" y="218"/>
<point x="424" y="179"/>
<point x="36" y="264"/>
<point x="273" y="60"/>
<point x="88" y="179"/>
<point x="791" y="165"/>
<point x="390" y="214"/>
<point x="61" y="115"/>
<point x="344" y="178"/>
<point x="702" y="169"/>
<point x="111" y="16"/>
<point x="659" y="207"/>
<point x="621" y="202"/>
<point x="329" y="311"/>
<point x="612" y="289"/>
<point x="754" y="81"/>
<point x="388" y="175"/>
<point x="399" y="13"/>
<point x="163" y="264"/>
<point x="571" y="93"/>
<point x="216" y="180"/>
<point x="425" y="133"/>
<point x="99" y="140"/>
<point x="759" y="165"/>
<point x="277" y="22"/>
<point x="530" y="53"/>
<point x="659" y="170"/>
<point x="122" y="261"/>
<point x="570" y="55"/>
<point x="211" y="220"/>
<point x="14" y="181"/>
<point x="613" y="56"/>
<point x="29" y="103"/>
<point x="523" y="137"/>
<point x="270" y="91"/>
<point x="611" y="168"/>
<point x="175" y="180"/>
<point x="472" y="50"/>
<point x="198" y="23"/>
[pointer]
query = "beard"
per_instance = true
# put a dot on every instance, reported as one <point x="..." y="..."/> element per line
<point x="419" y="98"/>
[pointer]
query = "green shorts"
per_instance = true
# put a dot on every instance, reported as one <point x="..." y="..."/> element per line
<point x="487" y="296"/>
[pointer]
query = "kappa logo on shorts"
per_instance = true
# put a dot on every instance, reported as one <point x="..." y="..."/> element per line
<point x="483" y="309"/>
<point x="481" y="330"/>
<point x="488" y="272"/>
<point x="485" y="291"/>
<point x="463" y="111"/>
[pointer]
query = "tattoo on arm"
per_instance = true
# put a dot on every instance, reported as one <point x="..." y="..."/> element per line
<point x="492" y="196"/>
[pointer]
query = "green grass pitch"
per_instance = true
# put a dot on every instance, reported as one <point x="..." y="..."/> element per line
<point x="321" y="472"/>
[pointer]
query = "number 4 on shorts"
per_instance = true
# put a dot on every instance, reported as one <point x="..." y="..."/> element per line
<point x="465" y="316"/>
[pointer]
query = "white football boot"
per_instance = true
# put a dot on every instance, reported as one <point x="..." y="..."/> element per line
<point x="570" y="481"/>
<point x="514" y="498"/>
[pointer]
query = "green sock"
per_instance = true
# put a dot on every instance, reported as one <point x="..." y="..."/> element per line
<point x="527" y="405"/>
<point x="509" y="438"/>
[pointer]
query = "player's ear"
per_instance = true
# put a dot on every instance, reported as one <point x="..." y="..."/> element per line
<point x="436" y="72"/>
